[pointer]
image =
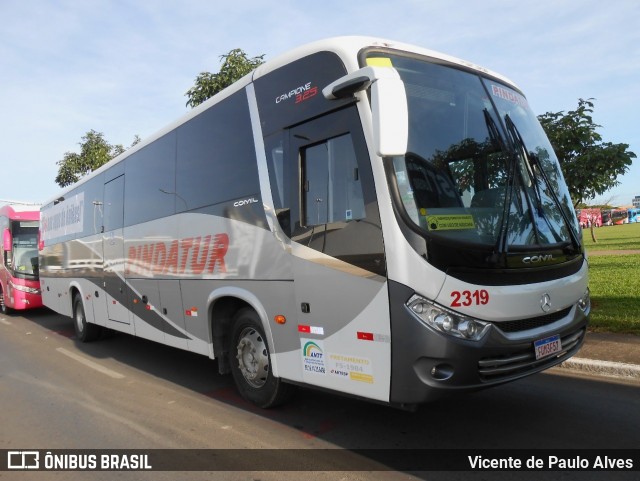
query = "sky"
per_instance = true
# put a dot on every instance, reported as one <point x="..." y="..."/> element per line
<point x="122" y="67"/>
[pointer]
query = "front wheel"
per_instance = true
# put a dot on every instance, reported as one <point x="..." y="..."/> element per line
<point x="85" y="331"/>
<point x="251" y="362"/>
<point x="3" y="307"/>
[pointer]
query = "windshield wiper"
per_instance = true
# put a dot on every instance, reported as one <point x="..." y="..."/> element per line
<point x="520" y="151"/>
<point x="501" y="247"/>
<point x="517" y="140"/>
<point x="494" y="133"/>
<point x="534" y="167"/>
<point x="515" y="149"/>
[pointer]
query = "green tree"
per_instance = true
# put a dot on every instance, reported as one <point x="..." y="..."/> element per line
<point x="590" y="166"/>
<point x="235" y="65"/>
<point x="94" y="152"/>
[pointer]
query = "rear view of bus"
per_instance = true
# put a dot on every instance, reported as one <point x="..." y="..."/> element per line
<point x="19" y="281"/>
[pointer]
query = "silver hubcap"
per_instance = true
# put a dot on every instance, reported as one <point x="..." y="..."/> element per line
<point x="253" y="357"/>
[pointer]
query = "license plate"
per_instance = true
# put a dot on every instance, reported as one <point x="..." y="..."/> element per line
<point x="548" y="346"/>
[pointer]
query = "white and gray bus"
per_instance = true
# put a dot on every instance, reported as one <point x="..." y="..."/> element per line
<point x="356" y="215"/>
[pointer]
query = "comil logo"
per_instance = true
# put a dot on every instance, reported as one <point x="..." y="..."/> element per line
<point x="537" y="259"/>
<point x="242" y="202"/>
<point x="23" y="460"/>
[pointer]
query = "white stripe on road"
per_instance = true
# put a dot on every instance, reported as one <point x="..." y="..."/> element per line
<point x="5" y="322"/>
<point x="90" y="363"/>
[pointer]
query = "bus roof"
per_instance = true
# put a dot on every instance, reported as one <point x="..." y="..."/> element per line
<point x="348" y="48"/>
<point x="21" y="211"/>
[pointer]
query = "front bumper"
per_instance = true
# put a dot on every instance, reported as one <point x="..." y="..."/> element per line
<point x="20" y="300"/>
<point x="427" y="365"/>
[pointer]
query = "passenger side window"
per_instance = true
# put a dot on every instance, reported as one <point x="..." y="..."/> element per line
<point x="114" y="204"/>
<point x="323" y="190"/>
<point x="280" y="180"/>
<point x="216" y="158"/>
<point x="331" y="183"/>
<point x="328" y="184"/>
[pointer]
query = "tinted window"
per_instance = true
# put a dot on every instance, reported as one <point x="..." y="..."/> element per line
<point x="479" y="168"/>
<point x="25" y="248"/>
<point x="216" y="156"/>
<point x="94" y="206"/>
<point x="150" y="188"/>
<point x="92" y="209"/>
<point x="331" y="204"/>
<point x="333" y="192"/>
<point x="280" y="180"/>
<point x="278" y="173"/>
<point x="114" y="204"/>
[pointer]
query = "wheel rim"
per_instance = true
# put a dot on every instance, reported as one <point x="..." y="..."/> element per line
<point x="253" y="357"/>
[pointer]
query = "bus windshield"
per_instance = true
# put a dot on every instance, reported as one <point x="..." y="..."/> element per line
<point x="25" y="249"/>
<point x="479" y="168"/>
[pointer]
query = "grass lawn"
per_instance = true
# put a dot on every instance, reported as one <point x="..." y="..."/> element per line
<point x="615" y="293"/>
<point x="615" y="237"/>
<point x="614" y="279"/>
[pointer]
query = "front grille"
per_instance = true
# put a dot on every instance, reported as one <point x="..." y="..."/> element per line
<point x="524" y="361"/>
<point x="526" y="324"/>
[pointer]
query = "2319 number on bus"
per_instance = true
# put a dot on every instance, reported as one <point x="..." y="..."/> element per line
<point x="470" y="298"/>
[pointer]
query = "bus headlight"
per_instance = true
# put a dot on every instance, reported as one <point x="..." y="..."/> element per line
<point x="446" y="321"/>
<point x="584" y="303"/>
<point x="29" y="290"/>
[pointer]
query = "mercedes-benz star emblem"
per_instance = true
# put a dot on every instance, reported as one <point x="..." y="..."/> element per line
<point x="545" y="302"/>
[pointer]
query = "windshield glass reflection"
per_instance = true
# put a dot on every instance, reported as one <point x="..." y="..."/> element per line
<point x="479" y="167"/>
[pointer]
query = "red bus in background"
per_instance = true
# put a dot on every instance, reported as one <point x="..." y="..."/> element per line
<point x="619" y="217"/>
<point x="19" y="276"/>
<point x="587" y="217"/>
<point x="613" y="217"/>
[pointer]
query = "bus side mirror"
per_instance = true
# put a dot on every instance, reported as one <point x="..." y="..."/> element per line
<point x="7" y="240"/>
<point x="389" y="110"/>
<point x="390" y="115"/>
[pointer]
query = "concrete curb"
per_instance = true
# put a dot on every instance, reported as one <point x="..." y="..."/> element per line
<point x="603" y="368"/>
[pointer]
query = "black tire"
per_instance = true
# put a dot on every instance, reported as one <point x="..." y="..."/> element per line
<point x="3" y="307"/>
<point x="251" y="362"/>
<point x="85" y="331"/>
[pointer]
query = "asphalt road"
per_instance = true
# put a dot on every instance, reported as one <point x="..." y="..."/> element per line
<point x="126" y="393"/>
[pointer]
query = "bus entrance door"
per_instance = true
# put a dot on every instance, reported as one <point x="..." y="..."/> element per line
<point x="114" y="283"/>
<point x="339" y="266"/>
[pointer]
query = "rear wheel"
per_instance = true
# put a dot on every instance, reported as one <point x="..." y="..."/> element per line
<point x="251" y="362"/>
<point x="85" y="331"/>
